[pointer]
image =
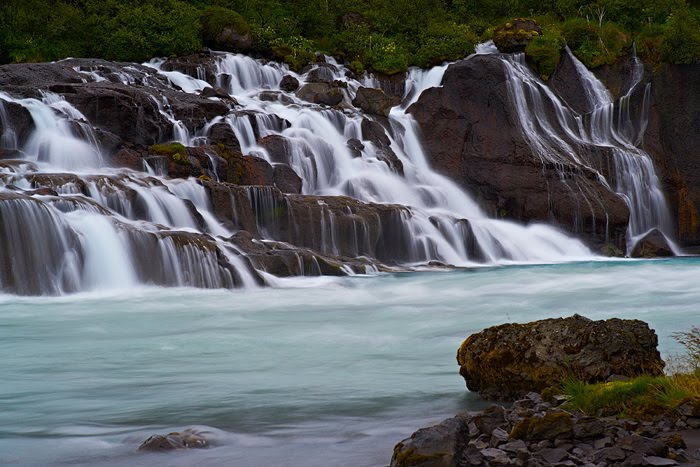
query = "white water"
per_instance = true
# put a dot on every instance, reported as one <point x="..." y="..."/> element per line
<point x="314" y="373"/>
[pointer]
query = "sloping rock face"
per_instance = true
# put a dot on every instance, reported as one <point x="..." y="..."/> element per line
<point x="471" y="135"/>
<point x="673" y="139"/>
<point x="508" y="361"/>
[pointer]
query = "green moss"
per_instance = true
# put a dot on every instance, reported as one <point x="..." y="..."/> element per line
<point x="175" y="151"/>
<point x="545" y="52"/>
<point x="216" y="19"/>
<point x="410" y="458"/>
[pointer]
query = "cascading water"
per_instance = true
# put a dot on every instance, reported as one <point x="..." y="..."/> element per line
<point x="561" y="137"/>
<point x="106" y="223"/>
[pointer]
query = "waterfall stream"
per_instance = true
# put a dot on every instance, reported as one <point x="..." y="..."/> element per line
<point x="76" y="224"/>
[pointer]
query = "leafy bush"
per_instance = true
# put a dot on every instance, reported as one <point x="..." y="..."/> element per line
<point x="545" y="52"/>
<point x="681" y="38"/>
<point x="442" y="42"/>
<point x="595" y="45"/>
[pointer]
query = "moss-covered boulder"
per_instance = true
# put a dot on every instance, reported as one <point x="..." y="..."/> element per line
<point x="224" y="29"/>
<point x="508" y="361"/>
<point x="515" y="35"/>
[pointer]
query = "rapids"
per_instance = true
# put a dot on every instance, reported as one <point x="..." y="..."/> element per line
<point x="315" y="372"/>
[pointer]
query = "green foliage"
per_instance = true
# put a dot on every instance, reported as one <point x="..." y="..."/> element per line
<point x="443" y="41"/>
<point x="681" y="38"/>
<point x="593" y="44"/>
<point x="643" y="396"/>
<point x="382" y="35"/>
<point x="545" y="51"/>
<point x="215" y="19"/>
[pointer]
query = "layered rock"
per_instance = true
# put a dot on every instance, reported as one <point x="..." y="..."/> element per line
<point x="507" y="361"/>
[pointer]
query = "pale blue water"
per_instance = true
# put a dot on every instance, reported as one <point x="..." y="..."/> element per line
<point x="329" y="372"/>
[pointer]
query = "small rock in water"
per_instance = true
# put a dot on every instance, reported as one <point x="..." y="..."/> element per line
<point x="187" y="439"/>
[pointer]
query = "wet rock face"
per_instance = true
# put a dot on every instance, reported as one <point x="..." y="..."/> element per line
<point x="471" y="135"/>
<point x="673" y="140"/>
<point x="186" y="439"/>
<point x="320" y="93"/>
<point x="374" y="101"/>
<point x="507" y="361"/>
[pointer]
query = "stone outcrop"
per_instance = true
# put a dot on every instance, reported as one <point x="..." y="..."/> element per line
<point x="653" y="244"/>
<point x="320" y="93"/>
<point x="507" y="361"/>
<point x="374" y="101"/>
<point x="514" y="35"/>
<point x="533" y="432"/>
<point x="471" y="135"/>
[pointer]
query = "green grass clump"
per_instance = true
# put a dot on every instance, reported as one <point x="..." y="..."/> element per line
<point x="640" y="397"/>
<point x="175" y="151"/>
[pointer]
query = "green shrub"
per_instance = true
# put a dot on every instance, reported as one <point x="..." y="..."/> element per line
<point x="388" y="56"/>
<point x="442" y="42"/>
<point x="216" y="19"/>
<point x="681" y="38"/>
<point x="595" y="45"/>
<point x="545" y="52"/>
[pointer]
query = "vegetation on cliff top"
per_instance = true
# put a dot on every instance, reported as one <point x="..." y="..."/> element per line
<point x="380" y="35"/>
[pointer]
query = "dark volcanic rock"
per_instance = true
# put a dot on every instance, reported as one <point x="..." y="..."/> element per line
<point x="187" y="439"/>
<point x="374" y="101"/>
<point x="373" y="131"/>
<point x="289" y="83"/>
<point x="320" y="93"/>
<point x="472" y="135"/>
<point x="652" y="244"/>
<point x="507" y="361"/>
<point x="673" y="140"/>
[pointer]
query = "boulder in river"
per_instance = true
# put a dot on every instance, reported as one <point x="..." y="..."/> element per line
<point x="653" y="244"/>
<point x="374" y="101"/>
<point x="510" y="360"/>
<point x="186" y="439"/>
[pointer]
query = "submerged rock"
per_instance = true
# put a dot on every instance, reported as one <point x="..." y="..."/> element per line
<point x="186" y="439"/>
<point x="510" y="360"/>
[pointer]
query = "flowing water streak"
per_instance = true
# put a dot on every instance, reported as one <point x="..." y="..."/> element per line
<point x="559" y="137"/>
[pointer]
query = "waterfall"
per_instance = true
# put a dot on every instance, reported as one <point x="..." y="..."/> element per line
<point x="81" y="225"/>
<point x="560" y="137"/>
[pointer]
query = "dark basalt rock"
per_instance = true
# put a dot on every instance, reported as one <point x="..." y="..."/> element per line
<point x="374" y="101"/>
<point x="374" y="132"/>
<point x="289" y="83"/>
<point x="471" y="135"/>
<point x="507" y="361"/>
<point x="320" y="93"/>
<point x="653" y="244"/>
<point x="187" y="439"/>
<point x="536" y="433"/>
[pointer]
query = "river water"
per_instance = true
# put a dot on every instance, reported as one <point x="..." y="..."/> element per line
<point x="315" y="372"/>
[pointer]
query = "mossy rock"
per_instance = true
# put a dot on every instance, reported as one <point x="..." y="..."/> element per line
<point x="175" y="151"/>
<point x="226" y="30"/>
<point x="515" y="35"/>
